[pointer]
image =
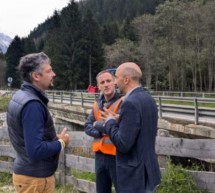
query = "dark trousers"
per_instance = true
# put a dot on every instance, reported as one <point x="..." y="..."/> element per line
<point x="105" y="169"/>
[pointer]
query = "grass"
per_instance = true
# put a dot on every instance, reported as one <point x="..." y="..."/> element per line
<point x="3" y="103"/>
<point x="84" y="175"/>
<point x="6" y="179"/>
<point x="186" y="103"/>
<point x="177" y="180"/>
<point x="7" y="187"/>
<point x="3" y="158"/>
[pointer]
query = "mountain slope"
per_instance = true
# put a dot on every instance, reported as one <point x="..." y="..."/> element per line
<point x="4" y="43"/>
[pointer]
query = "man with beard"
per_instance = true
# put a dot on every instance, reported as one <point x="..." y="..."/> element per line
<point x="31" y="128"/>
<point x="134" y="133"/>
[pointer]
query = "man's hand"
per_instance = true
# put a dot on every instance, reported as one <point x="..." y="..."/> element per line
<point x="109" y="114"/>
<point x="64" y="136"/>
<point x="99" y="126"/>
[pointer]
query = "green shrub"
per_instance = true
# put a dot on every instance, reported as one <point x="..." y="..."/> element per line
<point x="6" y="179"/>
<point x="3" y="103"/>
<point x="177" y="180"/>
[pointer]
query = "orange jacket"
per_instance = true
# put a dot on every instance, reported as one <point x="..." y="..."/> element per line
<point x="104" y="144"/>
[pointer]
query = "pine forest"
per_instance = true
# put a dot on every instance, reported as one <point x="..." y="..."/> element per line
<point x="173" y="42"/>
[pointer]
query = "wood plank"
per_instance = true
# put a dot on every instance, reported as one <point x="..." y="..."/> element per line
<point x="6" y="166"/>
<point x="4" y="134"/>
<point x="7" y="150"/>
<point x="204" y="180"/>
<point x="82" y="185"/>
<point x="80" y="163"/>
<point x="195" y="148"/>
<point x="79" y="139"/>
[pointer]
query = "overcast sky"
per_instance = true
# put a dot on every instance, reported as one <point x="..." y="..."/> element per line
<point x="19" y="17"/>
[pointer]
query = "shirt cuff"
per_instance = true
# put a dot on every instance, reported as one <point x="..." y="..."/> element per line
<point x="109" y="118"/>
<point x="62" y="144"/>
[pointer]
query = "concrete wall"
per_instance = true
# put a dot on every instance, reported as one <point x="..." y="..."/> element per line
<point x="75" y="116"/>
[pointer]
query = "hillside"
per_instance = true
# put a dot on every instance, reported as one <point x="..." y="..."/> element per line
<point x="4" y="43"/>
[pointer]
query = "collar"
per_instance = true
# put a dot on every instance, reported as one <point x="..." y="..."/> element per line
<point x="33" y="89"/>
<point x="102" y="102"/>
<point x="128" y="93"/>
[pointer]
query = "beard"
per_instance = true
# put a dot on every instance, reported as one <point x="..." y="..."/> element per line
<point x="121" y="89"/>
<point x="51" y="85"/>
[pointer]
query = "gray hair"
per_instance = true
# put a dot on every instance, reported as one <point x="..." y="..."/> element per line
<point x="32" y="63"/>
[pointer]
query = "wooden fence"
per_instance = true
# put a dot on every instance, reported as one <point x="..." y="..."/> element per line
<point x="70" y="160"/>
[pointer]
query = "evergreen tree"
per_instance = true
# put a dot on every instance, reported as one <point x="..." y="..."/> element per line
<point x="110" y="33"/>
<point x="128" y="31"/>
<point x="13" y="55"/>
<point x="65" y="47"/>
<point x="2" y="70"/>
<point x="28" y="45"/>
<point x="41" y="45"/>
<point x="107" y="11"/>
<point x="50" y="44"/>
<point x="92" y="52"/>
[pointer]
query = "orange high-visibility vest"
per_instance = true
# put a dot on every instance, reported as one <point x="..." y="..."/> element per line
<point x="104" y="144"/>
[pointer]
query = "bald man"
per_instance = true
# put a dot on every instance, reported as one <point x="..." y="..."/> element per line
<point x="134" y="134"/>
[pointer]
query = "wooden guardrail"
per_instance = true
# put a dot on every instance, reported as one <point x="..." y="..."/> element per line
<point x="81" y="143"/>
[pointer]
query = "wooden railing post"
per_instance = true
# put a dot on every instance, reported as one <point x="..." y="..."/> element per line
<point x="61" y="174"/>
<point x="10" y="164"/>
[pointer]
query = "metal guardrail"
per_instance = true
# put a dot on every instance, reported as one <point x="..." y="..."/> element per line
<point x="79" y="98"/>
<point x="183" y="94"/>
<point x="192" y="108"/>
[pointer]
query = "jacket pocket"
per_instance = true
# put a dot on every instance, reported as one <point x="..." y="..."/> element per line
<point x="127" y="159"/>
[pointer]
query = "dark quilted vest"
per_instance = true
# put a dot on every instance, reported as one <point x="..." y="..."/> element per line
<point x="22" y="164"/>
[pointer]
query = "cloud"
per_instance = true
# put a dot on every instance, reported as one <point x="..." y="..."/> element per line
<point x="19" y="17"/>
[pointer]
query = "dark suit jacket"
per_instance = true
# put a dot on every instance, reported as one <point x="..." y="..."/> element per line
<point x="134" y="137"/>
